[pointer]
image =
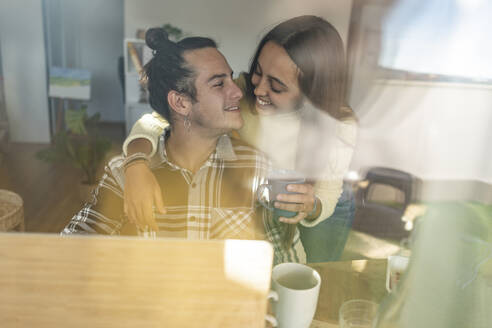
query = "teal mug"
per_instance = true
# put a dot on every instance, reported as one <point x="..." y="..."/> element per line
<point x="277" y="182"/>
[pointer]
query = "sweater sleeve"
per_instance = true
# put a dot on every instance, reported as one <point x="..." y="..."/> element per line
<point x="329" y="189"/>
<point x="150" y="127"/>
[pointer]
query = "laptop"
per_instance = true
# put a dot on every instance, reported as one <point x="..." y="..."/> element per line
<point x="49" y="280"/>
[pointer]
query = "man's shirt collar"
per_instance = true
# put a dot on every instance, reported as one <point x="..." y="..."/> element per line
<point x="224" y="151"/>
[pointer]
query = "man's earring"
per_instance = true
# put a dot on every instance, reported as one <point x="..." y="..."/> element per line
<point x="187" y="123"/>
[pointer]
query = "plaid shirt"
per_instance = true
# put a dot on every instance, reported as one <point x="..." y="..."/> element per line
<point x="217" y="202"/>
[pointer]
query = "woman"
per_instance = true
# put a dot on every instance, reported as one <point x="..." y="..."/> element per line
<point x="293" y="109"/>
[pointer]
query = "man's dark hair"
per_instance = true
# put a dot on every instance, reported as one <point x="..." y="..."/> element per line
<point x="168" y="70"/>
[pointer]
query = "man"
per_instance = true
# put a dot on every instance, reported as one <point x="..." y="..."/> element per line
<point x="207" y="178"/>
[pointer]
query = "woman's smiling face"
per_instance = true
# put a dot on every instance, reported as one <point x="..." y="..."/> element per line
<point x="275" y="81"/>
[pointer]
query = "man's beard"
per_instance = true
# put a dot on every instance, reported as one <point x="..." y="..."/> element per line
<point x="199" y="119"/>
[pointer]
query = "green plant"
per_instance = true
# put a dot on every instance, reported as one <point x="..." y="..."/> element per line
<point x="175" y="33"/>
<point x="80" y="146"/>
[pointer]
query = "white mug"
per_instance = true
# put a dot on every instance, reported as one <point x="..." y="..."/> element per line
<point x="297" y="287"/>
<point x="394" y="270"/>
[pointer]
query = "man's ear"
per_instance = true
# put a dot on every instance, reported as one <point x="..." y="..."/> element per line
<point x="179" y="102"/>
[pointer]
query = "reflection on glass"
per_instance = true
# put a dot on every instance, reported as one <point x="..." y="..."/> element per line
<point x="419" y="83"/>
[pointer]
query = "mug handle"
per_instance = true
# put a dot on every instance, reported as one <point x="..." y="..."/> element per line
<point x="260" y="191"/>
<point x="270" y="318"/>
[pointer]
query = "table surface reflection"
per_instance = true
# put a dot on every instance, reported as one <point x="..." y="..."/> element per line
<point x="346" y="280"/>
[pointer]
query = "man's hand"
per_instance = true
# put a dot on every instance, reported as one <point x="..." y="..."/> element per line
<point x="305" y="198"/>
<point x="141" y="192"/>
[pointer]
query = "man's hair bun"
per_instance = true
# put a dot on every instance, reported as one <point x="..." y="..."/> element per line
<point x="157" y="39"/>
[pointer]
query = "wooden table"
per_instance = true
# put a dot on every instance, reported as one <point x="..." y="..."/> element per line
<point x="128" y="282"/>
<point x="347" y="280"/>
<point x="98" y="281"/>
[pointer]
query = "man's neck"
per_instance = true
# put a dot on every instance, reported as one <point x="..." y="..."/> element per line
<point x="189" y="149"/>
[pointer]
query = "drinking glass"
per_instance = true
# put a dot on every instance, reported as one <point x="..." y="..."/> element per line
<point x="357" y="314"/>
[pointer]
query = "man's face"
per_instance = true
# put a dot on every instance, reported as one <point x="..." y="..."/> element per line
<point x="216" y="110"/>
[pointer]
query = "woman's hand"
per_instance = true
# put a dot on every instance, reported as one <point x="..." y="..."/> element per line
<point x="141" y="192"/>
<point x="305" y="198"/>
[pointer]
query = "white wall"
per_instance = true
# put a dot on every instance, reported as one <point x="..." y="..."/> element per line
<point x="236" y="25"/>
<point x="436" y="131"/>
<point x="24" y="69"/>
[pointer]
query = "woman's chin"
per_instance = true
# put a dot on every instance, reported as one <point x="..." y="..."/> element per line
<point x="265" y="110"/>
<point x="271" y="110"/>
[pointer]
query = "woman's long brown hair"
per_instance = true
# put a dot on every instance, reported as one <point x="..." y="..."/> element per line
<point x="315" y="46"/>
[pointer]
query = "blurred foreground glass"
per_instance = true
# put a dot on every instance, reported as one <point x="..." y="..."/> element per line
<point x="357" y="314"/>
<point x="448" y="282"/>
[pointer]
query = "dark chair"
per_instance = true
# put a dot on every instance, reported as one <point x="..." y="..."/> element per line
<point x="381" y="201"/>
